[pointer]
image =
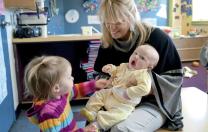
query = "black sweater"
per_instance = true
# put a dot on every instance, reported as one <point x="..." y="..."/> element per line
<point x="169" y="58"/>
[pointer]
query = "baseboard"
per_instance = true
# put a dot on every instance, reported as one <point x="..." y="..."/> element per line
<point x="21" y="107"/>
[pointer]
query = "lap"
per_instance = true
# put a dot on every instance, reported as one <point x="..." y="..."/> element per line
<point x="145" y="118"/>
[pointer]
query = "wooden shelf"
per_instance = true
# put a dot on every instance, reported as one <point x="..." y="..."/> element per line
<point x="57" y="38"/>
<point x="20" y="4"/>
<point x="72" y="47"/>
<point x="189" y="48"/>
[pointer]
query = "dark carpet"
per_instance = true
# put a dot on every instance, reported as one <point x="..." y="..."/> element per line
<point x="200" y="80"/>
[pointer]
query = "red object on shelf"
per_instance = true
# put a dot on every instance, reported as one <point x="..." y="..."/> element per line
<point x="167" y="30"/>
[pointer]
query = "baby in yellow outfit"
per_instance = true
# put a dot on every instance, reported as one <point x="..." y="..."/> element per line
<point x="128" y="83"/>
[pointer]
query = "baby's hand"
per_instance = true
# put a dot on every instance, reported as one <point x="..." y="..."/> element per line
<point x="107" y="68"/>
<point x="91" y="128"/>
<point x="131" y="81"/>
<point x="101" y="83"/>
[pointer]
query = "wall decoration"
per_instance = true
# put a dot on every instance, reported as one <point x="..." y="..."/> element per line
<point x="162" y="11"/>
<point x="3" y="76"/>
<point x="1" y="7"/>
<point x="53" y="8"/>
<point x="186" y="7"/>
<point x="147" y="5"/>
<point x="91" y="5"/>
<point x="72" y="16"/>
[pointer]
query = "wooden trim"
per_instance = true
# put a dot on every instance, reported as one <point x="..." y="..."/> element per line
<point x="170" y="13"/>
<point x="17" y="4"/>
<point x="57" y="38"/>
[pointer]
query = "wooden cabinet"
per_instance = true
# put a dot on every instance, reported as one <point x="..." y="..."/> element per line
<point x="72" y="47"/>
<point x="23" y="4"/>
<point x="189" y="48"/>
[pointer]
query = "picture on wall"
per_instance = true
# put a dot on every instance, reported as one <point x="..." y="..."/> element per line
<point x="147" y="5"/>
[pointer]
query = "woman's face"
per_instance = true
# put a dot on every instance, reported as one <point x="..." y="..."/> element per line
<point x="118" y="30"/>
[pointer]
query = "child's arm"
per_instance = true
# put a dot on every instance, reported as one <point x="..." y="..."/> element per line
<point x="83" y="89"/>
<point x="87" y="88"/>
<point x="90" y="128"/>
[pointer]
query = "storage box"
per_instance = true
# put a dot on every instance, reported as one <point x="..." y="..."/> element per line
<point x="31" y="18"/>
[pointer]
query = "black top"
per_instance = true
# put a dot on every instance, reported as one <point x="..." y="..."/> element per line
<point x="169" y="58"/>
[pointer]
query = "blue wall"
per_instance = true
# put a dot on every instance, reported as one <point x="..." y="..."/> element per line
<point x="58" y="24"/>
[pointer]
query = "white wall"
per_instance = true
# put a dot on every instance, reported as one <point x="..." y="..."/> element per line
<point x="9" y="18"/>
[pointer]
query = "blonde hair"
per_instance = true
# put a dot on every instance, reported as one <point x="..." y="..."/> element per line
<point x="118" y="10"/>
<point x="41" y="75"/>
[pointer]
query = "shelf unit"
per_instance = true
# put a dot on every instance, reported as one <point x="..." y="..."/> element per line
<point x="189" y="47"/>
<point x="73" y="48"/>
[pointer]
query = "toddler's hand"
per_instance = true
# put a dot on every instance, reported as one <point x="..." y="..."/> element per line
<point x="91" y="128"/>
<point x="101" y="83"/>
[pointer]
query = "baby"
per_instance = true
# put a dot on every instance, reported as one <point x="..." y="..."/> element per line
<point x="48" y="79"/>
<point x="129" y="82"/>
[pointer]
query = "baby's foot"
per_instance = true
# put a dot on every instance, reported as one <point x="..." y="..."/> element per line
<point x="89" y="115"/>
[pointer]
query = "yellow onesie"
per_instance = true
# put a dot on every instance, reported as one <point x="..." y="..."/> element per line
<point x="133" y="83"/>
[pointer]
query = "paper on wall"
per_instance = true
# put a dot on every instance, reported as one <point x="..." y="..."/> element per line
<point x="3" y="80"/>
<point x="151" y="21"/>
<point x="162" y="11"/>
<point x="93" y="19"/>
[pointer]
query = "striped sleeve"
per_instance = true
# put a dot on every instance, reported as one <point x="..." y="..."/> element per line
<point x="84" y="89"/>
<point x="58" y="118"/>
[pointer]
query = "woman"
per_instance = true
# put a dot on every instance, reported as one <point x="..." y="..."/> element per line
<point x="122" y="33"/>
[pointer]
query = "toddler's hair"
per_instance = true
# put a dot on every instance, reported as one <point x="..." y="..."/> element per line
<point x="42" y="73"/>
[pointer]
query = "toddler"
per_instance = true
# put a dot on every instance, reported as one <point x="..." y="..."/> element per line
<point x="48" y="79"/>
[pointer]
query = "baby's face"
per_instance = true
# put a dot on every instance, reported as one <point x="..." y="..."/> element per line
<point x="139" y="59"/>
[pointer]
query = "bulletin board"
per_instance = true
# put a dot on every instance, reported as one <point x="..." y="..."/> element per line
<point x="154" y="12"/>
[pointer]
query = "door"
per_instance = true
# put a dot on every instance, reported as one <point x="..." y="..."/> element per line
<point x="7" y="113"/>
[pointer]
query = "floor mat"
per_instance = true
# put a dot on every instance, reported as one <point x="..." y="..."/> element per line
<point x="199" y="80"/>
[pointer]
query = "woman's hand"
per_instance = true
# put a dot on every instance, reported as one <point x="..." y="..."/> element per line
<point x="101" y="83"/>
<point x="90" y="128"/>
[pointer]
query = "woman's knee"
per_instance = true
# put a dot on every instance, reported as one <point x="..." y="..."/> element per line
<point x="118" y="128"/>
<point x="144" y="119"/>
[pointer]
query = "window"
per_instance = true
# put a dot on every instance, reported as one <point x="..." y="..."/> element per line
<point x="200" y="11"/>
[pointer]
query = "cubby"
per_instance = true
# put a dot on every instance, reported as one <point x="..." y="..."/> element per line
<point x="189" y="47"/>
<point x="73" y="47"/>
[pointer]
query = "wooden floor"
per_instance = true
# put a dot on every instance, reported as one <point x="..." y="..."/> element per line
<point x="194" y="110"/>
